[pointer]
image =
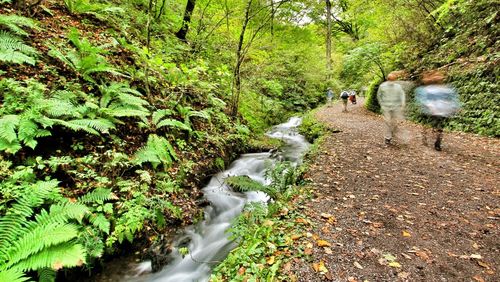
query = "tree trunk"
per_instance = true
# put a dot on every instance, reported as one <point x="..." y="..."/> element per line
<point x="328" y="38"/>
<point x="236" y="89"/>
<point x="186" y="21"/>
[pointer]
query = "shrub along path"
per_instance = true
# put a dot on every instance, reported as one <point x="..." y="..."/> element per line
<point x="403" y="212"/>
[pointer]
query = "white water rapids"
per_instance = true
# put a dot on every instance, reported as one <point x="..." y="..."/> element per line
<point x="208" y="241"/>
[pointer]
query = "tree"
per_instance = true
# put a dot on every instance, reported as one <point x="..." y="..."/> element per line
<point x="186" y="21"/>
<point x="328" y="38"/>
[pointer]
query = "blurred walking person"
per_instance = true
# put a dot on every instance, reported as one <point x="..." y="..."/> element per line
<point x="344" y="95"/>
<point x="329" y="96"/>
<point x="352" y="97"/>
<point x="392" y="100"/>
<point x="438" y="102"/>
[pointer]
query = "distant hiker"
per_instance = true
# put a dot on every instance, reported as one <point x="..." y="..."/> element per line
<point x="344" y="95"/>
<point x="438" y="102"/>
<point x="392" y="100"/>
<point x="352" y="97"/>
<point x="329" y="96"/>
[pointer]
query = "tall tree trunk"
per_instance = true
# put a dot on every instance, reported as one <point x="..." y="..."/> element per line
<point x="328" y="38"/>
<point x="181" y="34"/>
<point x="236" y="89"/>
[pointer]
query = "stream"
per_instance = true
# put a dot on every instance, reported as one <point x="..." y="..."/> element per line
<point x="208" y="241"/>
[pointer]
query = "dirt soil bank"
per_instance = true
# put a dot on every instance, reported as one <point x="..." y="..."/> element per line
<point x="403" y="212"/>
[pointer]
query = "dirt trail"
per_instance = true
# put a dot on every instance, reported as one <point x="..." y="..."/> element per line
<point x="403" y="212"/>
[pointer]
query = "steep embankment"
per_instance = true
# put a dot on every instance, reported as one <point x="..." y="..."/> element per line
<point x="106" y="142"/>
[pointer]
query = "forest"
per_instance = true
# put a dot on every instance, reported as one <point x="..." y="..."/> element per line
<point x="115" y="113"/>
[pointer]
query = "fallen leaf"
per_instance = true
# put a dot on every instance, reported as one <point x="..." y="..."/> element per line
<point x="475" y="246"/>
<point x="478" y="278"/>
<point x="357" y="265"/>
<point x="476" y="256"/>
<point x="326" y="215"/>
<point x="320" y="267"/>
<point x="352" y="279"/>
<point x="406" y="234"/>
<point x="308" y="251"/>
<point x="242" y="270"/>
<point x="328" y="251"/>
<point x="483" y="264"/>
<point x="323" y="243"/>
<point x="404" y="275"/>
<point x="394" y="264"/>
<point x="329" y="276"/>
<point x="301" y="220"/>
<point x="423" y="255"/>
<point x="296" y="236"/>
<point x="377" y="224"/>
<point x="270" y="260"/>
<point x="309" y="245"/>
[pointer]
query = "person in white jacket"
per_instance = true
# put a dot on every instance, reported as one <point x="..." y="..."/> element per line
<point x="392" y="100"/>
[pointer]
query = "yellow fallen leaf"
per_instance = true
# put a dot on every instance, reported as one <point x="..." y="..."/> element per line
<point x="296" y="236"/>
<point x="320" y="267"/>
<point x="323" y="243"/>
<point x="326" y="215"/>
<point x="406" y="234"/>
<point x="309" y="245"/>
<point x="394" y="264"/>
<point x="270" y="260"/>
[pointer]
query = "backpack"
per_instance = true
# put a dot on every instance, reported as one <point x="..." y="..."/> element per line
<point x="344" y="95"/>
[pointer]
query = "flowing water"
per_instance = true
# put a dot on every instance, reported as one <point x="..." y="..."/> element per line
<point x="208" y="241"/>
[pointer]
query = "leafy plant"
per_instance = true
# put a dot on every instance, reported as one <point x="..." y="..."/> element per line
<point x="12" y="46"/>
<point x="157" y="150"/>
<point x="87" y="60"/>
<point x="41" y="241"/>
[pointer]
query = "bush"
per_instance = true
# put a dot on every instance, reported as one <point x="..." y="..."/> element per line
<point x="371" y="102"/>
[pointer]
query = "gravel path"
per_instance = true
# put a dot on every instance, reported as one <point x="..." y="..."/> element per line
<point x="403" y="212"/>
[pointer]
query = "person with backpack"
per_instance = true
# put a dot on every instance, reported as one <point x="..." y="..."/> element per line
<point x="352" y="97"/>
<point x="329" y="96"/>
<point x="344" y="95"/>
<point x="438" y="102"/>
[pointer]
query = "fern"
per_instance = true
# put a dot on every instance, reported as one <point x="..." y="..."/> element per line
<point x="157" y="151"/>
<point x="160" y="114"/>
<point x="97" y="195"/>
<point x="119" y="100"/>
<point x="92" y="126"/>
<point x="86" y="60"/>
<point x="14" y="50"/>
<point x="16" y="24"/>
<point x="45" y="242"/>
<point x="173" y="123"/>
<point x="46" y="275"/>
<point x="244" y="183"/>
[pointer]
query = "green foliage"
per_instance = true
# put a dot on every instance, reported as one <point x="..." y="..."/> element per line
<point x="283" y="176"/>
<point x="157" y="150"/>
<point x="311" y="128"/>
<point x="37" y="241"/>
<point x="371" y="102"/>
<point x="86" y="60"/>
<point x="12" y="46"/>
<point x="99" y="10"/>
<point x="27" y="113"/>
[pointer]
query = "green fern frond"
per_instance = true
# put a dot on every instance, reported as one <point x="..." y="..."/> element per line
<point x="157" y="151"/>
<point x="92" y="126"/>
<point x="61" y="213"/>
<point x="16" y="23"/>
<point x="200" y="114"/>
<point x="173" y="123"/>
<point x="46" y="275"/>
<point x="98" y="195"/>
<point x="244" y="183"/>
<point x="37" y="239"/>
<point x="101" y="222"/>
<point x="10" y="147"/>
<point x="63" y="255"/>
<point x="12" y="275"/>
<point x="8" y="126"/>
<point x="14" y="50"/>
<point x="58" y="108"/>
<point x="160" y="114"/>
<point x="11" y="222"/>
